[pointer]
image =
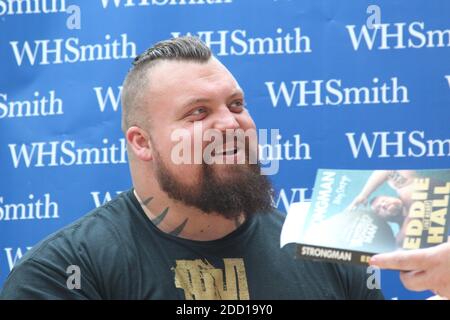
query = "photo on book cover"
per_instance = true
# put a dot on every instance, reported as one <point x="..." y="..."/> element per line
<point x="374" y="211"/>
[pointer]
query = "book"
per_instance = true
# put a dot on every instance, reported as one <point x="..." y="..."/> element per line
<point x="355" y="214"/>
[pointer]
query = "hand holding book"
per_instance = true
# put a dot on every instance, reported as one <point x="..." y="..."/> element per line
<point x="405" y="209"/>
<point x="421" y="269"/>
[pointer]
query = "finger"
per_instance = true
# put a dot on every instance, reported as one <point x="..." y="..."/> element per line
<point x="415" y="280"/>
<point x="403" y="260"/>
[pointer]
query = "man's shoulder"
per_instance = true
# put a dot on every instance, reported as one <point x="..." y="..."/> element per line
<point x="103" y="227"/>
<point x="269" y="225"/>
<point x="92" y="247"/>
<point x="273" y="219"/>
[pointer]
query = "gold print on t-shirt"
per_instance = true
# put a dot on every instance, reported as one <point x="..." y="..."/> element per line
<point x="201" y="281"/>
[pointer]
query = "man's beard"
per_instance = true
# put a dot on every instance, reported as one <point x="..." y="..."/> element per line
<point x="243" y="190"/>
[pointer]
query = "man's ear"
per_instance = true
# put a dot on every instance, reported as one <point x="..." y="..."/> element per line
<point x="140" y="144"/>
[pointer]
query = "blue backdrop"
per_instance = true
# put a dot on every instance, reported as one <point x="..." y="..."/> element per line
<point x="349" y="84"/>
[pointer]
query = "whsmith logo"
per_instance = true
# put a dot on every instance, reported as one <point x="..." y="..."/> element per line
<point x="19" y="7"/>
<point x="108" y="96"/>
<point x="397" y="36"/>
<point x="70" y="50"/>
<point x="66" y="153"/>
<point x="239" y="43"/>
<point x="396" y="144"/>
<point x="40" y="106"/>
<point x="333" y="92"/>
<point x="13" y="255"/>
<point x="34" y="208"/>
<point x="285" y="149"/>
<point x="147" y="3"/>
<point x="286" y="197"/>
<point x="100" y="198"/>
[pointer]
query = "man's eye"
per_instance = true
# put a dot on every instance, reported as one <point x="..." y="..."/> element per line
<point x="237" y="105"/>
<point x="198" y="111"/>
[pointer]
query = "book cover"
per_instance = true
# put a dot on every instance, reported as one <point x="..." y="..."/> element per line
<point x="355" y="214"/>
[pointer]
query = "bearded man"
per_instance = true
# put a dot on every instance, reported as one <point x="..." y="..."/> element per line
<point x="202" y="227"/>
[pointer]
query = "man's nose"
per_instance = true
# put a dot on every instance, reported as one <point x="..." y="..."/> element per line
<point x="225" y="119"/>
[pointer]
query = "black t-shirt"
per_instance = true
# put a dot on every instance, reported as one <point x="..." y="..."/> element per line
<point x="118" y="253"/>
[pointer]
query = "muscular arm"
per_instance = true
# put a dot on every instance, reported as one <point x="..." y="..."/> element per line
<point x="377" y="178"/>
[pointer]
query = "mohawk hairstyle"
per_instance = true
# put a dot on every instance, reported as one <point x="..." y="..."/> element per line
<point x="186" y="48"/>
